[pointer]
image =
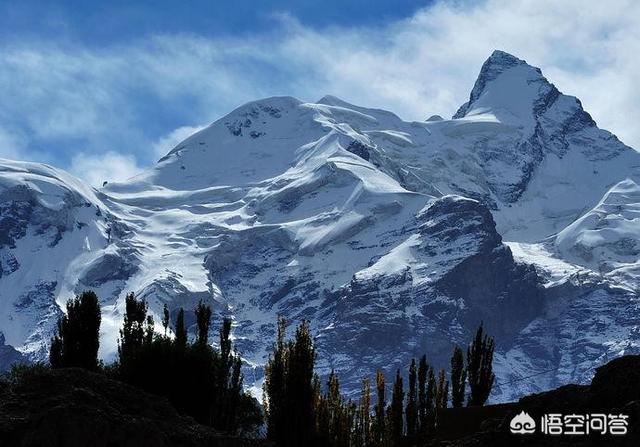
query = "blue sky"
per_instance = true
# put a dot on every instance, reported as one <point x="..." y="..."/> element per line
<point x="106" y="22"/>
<point x="103" y="89"/>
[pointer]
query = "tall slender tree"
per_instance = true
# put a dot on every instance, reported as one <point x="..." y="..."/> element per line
<point x="431" y="401"/>
<point x="149" y="330"/>
<point x="132" y="334"/>
<point x="412" y="396"/>
<point x="203" y="319"/>
<point x="380" y="420"/>
<point x="291" y="391"/>
<point x="423" y="370"/>
<point x="365" y="415"/>
<point x="442" y="392"/>
<point x="396" y="410"/>
<point x="458" y="378"/>
<point x="274" y="387"/>
<point x="165" y="318"/>
<point x="78" y="338"/>
<point x="480" y="367"/>
<point x="339" y="433"/>
<point x="299" y="388"/>
<point x="181" y="331"/>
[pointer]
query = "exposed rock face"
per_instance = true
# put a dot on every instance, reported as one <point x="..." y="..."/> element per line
<point x="73" y="407"/>
<point x="457" y="263"/>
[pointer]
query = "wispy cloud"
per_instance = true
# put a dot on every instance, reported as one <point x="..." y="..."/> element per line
<point x="128" y="103"/>
<point x="106" y="167"/>
<point x="167" y="142"/>
<point x="11" y="146"/>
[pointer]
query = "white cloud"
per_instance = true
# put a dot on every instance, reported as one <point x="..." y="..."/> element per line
<point x="171" y="140"/>
<point x="125" y="96"/>
<point x="110" y="167"/>
<point x="427" y="64"/>
<point x="10" y="145"/>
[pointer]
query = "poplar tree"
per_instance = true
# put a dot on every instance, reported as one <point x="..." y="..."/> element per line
<point x="430" y="401"/>
<point x="412" y="409"/>
<point x="78" y="339"/>
<point x="396" y="410"/>
<point x="274" y="387"/>
<point x="203" y="319"/>
<point x="165" y="318"/>
<point x="423" y="370"/>
<point x="379" y="431"/>
<point x="364" y="414"/>
<point x="458" y="378"/>
<point x="149" y="330"/>
<point x="299" y="388"/>
<point x="132" y="334"/>
<point x="442" y="392"/>
<point x="291" y="389"/>
<point x="181" y="331"/>
<point x="480" y="368"/>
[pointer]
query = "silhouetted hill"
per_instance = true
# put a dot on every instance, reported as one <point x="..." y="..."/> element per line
<point x="615" y="389"/>
<point x="73" y="407"/>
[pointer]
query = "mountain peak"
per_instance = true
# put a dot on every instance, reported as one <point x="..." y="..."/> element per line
<point x="506" y="86"/>
<point x="516" y="93"/>
<point x="502" y="59"/>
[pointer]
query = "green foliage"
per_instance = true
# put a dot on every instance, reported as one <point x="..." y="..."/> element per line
<point x="379" y="428"/>
<point x="198" y="380"/>
<point x="181" y="331"/>
<point x="480" y="368"/>
<point x="203" y="318"/>
<point x="458" y="378"/>
<point x="78" y="338"/>
<point x="291" y="392"/>
<point x="362" y="432"/>
<point x="430" y="421"/>
<point x="412" y="408"/>
<point x="442" y="392"/>
<point x="132" y="334"/>
<point x="206" y="383"/>
<point x="396" y="410"/>
<point x="274" y="386"/>
<point x="23" y="372"/>
<point x="423" y="408"/>
<point x="165" y="318"/>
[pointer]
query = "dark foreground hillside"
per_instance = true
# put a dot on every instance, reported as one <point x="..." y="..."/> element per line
<point x="73" y="407"/>
<point x="615" y="389"/>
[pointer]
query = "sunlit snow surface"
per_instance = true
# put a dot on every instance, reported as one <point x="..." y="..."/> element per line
<point x="379" y="231"/>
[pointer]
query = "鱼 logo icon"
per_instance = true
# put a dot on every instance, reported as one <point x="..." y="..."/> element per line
<point x="522" y="423"/>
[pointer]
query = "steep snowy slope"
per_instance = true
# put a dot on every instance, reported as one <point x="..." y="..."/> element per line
<point x="606" y="239"/>
<point x="386" y="234"/>
<point x="52" y="228"/>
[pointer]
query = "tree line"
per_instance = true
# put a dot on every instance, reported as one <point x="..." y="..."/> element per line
<point x="300" y="411"/>
<point x="206" y="383"/>
<point x="198" y="380"/>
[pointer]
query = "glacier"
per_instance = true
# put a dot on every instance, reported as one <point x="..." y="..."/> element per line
<point x="393" y="238"/>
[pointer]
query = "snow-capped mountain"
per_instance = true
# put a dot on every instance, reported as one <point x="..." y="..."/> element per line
<point x="394" y="238"/>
